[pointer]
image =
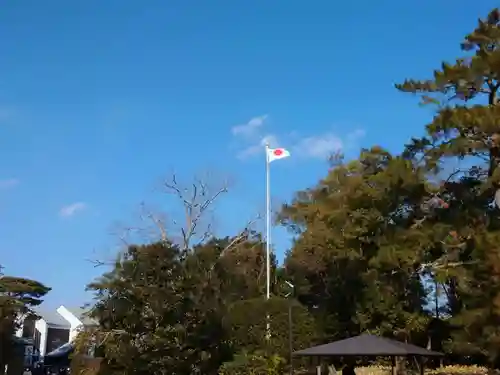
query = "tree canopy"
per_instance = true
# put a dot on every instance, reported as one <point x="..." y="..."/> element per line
<point x="18" y="296"/>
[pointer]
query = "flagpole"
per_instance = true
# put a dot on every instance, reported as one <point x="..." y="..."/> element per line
<point x="268" y="225"/>
<point x="268" y="239"/>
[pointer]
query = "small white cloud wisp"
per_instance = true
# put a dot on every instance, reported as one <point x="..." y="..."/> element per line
<point x="257" y="148"/>
<point x="320" y="146"/>
<point x="72" y="209"/>
<point x="315" y="146"/>
<point x="250" y="128"/>
<point x="9" y="183"/>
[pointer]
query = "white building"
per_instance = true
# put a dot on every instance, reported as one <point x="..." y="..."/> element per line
<point x="54" y="329"/>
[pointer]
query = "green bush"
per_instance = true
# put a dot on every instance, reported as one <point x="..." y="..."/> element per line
<point x="459" y="370"/>
<point x="247" y="324"/>
<point x="446" y="370"/>
<point x="254" y="364"/>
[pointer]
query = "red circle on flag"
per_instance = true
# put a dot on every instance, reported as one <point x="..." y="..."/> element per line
<point x="278" y="152"/>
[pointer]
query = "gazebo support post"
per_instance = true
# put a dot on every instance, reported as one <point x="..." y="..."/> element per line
<point x="421" y="364"/>
<point x="393" y="365"/>
<point x="319" y="366"/>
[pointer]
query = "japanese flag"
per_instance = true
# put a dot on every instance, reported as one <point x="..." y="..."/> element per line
<point x="277" y="153"/>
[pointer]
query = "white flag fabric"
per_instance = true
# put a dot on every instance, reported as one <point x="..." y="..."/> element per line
<point x="277" y="153"/>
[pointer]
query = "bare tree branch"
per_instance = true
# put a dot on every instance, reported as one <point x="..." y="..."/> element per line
<point x="241" y="237"/>
<point x="197" y="202"/>
<point x="193" y="225"/>
<point x="158" y="221"/>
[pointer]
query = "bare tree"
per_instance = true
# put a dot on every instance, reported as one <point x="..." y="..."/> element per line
<point x="190" y="226"/>
<point x="198" y="203"/>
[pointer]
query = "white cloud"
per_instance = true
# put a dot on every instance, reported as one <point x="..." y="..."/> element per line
<point x="5" y="113"/>
<point x="321" y="146"/>
<point x="72" y="209"/>
<point x="9" y="183"/>
<point x="257" y="148"/>
<point x="355" y="135"/>
<point x="250" y="128"/>
<point x="324" y="145"/>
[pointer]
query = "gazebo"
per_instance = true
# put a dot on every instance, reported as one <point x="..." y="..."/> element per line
<point x="369" y="346"/>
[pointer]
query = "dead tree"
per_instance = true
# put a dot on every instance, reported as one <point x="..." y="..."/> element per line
<point x="193" y="226"/>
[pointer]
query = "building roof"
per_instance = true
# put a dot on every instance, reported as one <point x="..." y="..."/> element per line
<point x="56" y="320"/>
<point x="53" y="319"/>
<point x="366" y="345"/>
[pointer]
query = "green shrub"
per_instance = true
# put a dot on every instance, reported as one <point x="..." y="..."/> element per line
<point x="254" y="364"/>
<point x="446" y="370"/>
<point x="459" y="370"/>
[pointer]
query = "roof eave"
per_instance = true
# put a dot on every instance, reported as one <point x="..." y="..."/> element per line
<point x="324" y="354"/>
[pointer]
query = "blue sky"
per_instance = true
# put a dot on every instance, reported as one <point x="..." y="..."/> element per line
<point x="101" y="99"/>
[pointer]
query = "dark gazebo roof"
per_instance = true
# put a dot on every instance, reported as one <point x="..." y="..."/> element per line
<point x="366" y="345"/>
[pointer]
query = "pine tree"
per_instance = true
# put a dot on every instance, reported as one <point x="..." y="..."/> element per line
<point x="17" y="298"/>
<point x="466" y="128"/>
